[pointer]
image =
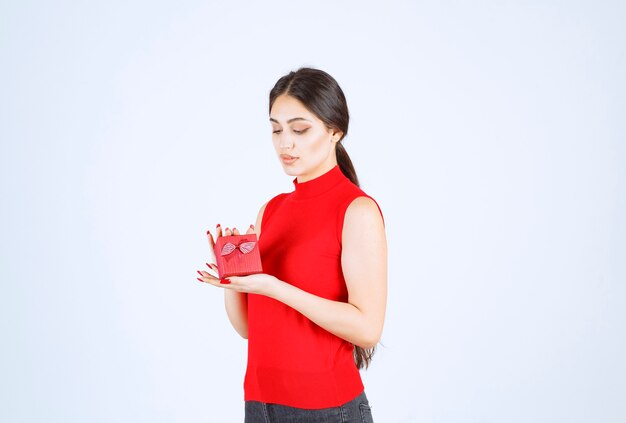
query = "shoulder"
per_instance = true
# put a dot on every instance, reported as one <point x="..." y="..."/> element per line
<point x="268" y="208"/>
<point x="363" y="210"/>
<point x="275" y="201"/>
<point x="363" y="229"/>
<point x="359" y="204"/>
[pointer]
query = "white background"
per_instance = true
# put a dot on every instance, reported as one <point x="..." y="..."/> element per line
<point x="491" y="133"/>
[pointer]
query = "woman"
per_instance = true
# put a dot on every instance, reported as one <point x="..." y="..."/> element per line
<point x="316" y="314"/>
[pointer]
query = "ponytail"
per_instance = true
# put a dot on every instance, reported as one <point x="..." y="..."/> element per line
<point x="345" y="164"/>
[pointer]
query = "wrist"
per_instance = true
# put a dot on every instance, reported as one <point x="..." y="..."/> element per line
<point x="274" y="288"/>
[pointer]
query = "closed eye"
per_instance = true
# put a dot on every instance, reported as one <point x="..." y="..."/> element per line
<point x="300" y="132"/>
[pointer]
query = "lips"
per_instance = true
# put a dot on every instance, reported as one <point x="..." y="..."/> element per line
<point x="287" y="159"/>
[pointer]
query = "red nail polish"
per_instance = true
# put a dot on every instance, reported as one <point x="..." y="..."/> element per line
<point x="225" y="281"/>
<point x="208" y="265"/>
<point x="200" y="273"/>
<point x="218" y="225"/>
<point x="252" y="226"/>
<point x="200" y="279"/>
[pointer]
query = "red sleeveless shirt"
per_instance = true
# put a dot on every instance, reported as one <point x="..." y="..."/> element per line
<point x="291" y="360"/>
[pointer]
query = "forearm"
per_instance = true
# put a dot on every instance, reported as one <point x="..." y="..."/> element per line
<point x="236" y="304"/>
<point x="341" y="319"/>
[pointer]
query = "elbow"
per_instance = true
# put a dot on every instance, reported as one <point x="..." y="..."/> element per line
<point x="369" y="340"/>
<point x="369" y="333"/>
<point x="367" y="345"/>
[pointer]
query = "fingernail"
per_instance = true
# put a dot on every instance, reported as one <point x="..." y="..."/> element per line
<point x="200" y="273"/>
<point x="208" y="265"/>
<point x="218" y="225"/>
<point x="200" y="279"/>
<point x="226" y="229"/>
<point x="225" y="281"/>
<point x="252" y="226"/>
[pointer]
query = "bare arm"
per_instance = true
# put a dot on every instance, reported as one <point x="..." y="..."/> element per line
<point x="364" y="264"/>
<point x="236" y="304"/>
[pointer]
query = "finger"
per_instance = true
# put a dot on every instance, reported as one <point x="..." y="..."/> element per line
<point x="210" y="239"/>
<point x="213" y="268"/>
<point x="207" y="277"/>
<point x="211" y="281"/>
<point x="227" y="232"/>
<point x="204" y="274"/>
<point x="250" y="230"/>
<point x="235" y="231"/>
<point x="211" y="245"/>
<point x="218" y="230"/>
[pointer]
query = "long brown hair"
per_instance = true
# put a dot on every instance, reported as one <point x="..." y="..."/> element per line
<point x="322" y="96"/>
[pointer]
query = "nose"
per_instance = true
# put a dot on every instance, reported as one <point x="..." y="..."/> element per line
<point x="285" y="142"/>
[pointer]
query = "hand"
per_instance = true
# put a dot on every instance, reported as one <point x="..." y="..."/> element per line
<point x="259" y="283"/>
<point x="210" y="277"/>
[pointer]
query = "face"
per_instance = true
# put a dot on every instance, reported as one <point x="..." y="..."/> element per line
<point x="304" y="145"/>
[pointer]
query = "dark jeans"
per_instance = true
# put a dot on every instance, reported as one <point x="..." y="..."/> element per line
<point x="356" y="411"/>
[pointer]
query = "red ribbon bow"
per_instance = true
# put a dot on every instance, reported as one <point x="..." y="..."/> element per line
<point x="244" y="246"/>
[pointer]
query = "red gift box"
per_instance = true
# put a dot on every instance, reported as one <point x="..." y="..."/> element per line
<point x="237" y="255"/>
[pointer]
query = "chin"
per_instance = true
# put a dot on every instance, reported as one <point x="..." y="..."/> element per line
<point x="292" y="170"/>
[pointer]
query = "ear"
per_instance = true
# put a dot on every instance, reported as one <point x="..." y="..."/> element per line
<point x="336" y="135"/>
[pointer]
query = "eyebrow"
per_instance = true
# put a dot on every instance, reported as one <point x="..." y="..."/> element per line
<point x="290" y="120"/>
